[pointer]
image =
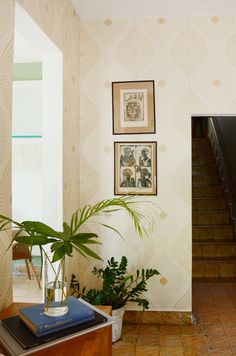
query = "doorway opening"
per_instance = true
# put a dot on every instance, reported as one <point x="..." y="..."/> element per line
<point x="36" y="142"/>
<point x="213" y="198"/>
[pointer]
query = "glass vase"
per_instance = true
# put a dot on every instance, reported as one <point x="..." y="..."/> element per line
<point x="56" y="294"/>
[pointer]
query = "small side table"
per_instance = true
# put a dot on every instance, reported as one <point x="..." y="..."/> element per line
<point x="95" y="343"/>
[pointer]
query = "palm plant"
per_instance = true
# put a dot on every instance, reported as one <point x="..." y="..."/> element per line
<point x="36" y="233"/>
<point x="71" y="238"/>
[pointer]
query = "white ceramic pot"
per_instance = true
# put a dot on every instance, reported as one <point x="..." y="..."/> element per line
<point x="117" y="314"/>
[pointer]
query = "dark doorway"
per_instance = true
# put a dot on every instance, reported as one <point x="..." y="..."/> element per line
<point x="214" y="244"/>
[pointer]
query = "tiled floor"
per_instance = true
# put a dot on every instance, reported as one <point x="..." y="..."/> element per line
<point x="214" y="333"/>
<point x="26" y="290"/>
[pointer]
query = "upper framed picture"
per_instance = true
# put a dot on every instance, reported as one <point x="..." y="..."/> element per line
<point x="135" y="168"/>
<point x="133" y="107"/>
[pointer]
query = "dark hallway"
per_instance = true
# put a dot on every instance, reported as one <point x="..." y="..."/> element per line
<point x="214" y="244"/>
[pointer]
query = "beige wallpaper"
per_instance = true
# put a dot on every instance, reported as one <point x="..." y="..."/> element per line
<point x="193" y="63"/>
<point x="6" y="67"/>
<point x="61" y="23"/>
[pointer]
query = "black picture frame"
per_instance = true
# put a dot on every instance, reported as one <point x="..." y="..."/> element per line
<point x="135" y="168"/>
<point x="133" y="107"/>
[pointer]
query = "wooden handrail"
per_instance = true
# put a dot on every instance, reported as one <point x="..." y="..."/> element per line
<point x="224" y="155"/>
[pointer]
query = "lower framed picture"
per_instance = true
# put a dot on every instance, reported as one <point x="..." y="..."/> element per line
<point x="135" y="168"/>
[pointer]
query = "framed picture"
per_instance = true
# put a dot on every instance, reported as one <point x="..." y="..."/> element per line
<point x="133" y="107"/>
<point x="135" y="168"/>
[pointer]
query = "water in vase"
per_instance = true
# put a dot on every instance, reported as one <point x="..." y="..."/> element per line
<point x="56" y="300"/>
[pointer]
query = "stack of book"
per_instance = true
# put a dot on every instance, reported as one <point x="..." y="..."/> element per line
<point x="41" y="324"/>
<point x="32" y="327"/>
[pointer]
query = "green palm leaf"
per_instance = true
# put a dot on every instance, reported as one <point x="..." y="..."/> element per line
<point x="63" y="242"/>
<point x="86" y="251"/>
<point x="125" y="203"/>
<point x="35" y="240"/>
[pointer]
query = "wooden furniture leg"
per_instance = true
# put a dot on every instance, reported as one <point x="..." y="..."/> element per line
<point x="35" y="273"/>
<point x="27" y="268"/>
<point x="22" y="252"/>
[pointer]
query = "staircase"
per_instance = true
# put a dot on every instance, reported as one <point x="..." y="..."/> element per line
<point x="214" y="246"/>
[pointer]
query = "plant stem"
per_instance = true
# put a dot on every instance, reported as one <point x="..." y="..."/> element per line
<point x="56" y="280"/>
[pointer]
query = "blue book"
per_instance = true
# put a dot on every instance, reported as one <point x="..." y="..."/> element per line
<point x="41" y="324"/>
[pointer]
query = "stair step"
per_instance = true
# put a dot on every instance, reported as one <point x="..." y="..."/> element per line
<point x="222" y="267"/>
<point x="215" y="259"/>
<point x="214" y="279"/>
<point x="201" y="142"/>
<point x="211" y="191"/>
<point x="214" y="242"/>
<point x="200" y="204"/>
<point x="198" y="169"/>
<point x="201" y="150"/>
<point x="201" y="233"/>
<point x="203" y="158"/>
<point x="204" y="180"/>
<point x="210" y="218"/>
<point x="209" y="249"/>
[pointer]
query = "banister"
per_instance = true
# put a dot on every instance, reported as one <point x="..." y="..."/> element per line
<point x="223" y="161"/>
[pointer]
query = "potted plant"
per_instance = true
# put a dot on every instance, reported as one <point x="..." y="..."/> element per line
<point x="71" y="238"/>
<point x="118" y="288"/>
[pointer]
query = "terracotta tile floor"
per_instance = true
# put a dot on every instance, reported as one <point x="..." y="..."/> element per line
<point x="213" y="333"/>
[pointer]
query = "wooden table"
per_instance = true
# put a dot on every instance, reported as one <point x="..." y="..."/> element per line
<point x="95" y="343"/>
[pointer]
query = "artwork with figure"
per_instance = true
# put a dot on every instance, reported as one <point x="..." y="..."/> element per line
<point x="127" y="179"/>
<point x="127" y="156"/>
<point x="135" y="168"/>
<point x="133" y="107"/>
<point x="144" y="177"/>
<point x="144" y="159"/>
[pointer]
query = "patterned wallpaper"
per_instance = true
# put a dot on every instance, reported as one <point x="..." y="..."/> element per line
<point x="61" y="23"/>
<point x="6" y="67"/>
<point x="193" y="63"/>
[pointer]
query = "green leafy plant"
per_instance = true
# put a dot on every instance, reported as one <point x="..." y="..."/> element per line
<point x="64" y="242"/>
<point x="71" y="238"/>
<point x="118" y="287"/>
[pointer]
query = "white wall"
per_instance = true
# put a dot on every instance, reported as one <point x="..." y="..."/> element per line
<point x="37" y="111"/>
<point x="27" y="108"/>
<point x="27" y="151"/>
<point x="60" y="22"/>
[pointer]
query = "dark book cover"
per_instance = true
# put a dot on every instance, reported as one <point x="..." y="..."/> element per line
<point x="27" y="339"/>
<point x="41" y="324"/>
